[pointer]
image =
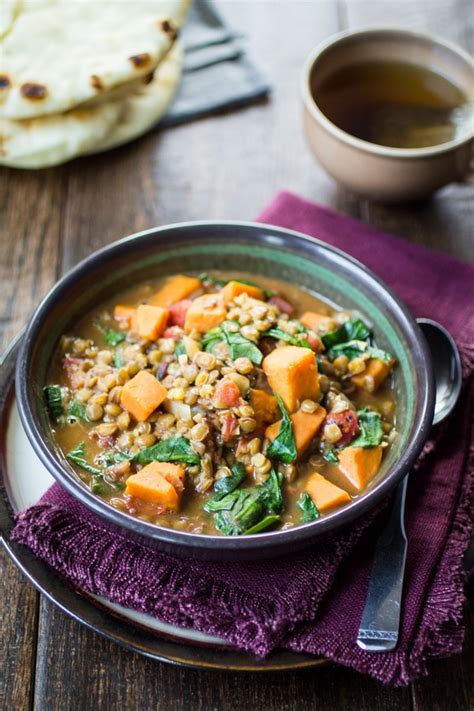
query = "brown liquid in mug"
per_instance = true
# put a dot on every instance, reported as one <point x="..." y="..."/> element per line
<point x="394" y="104"/>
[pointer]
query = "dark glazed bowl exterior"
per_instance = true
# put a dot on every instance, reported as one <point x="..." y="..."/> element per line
<point x="238" y="246"/>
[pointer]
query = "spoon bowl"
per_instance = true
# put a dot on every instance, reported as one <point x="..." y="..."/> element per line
<point x="446" y="367"/>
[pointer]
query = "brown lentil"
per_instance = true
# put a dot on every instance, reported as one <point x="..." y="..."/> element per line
<point x="94" y="411"/>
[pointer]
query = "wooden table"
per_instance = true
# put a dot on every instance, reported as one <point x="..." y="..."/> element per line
<point x="226" y="166"/>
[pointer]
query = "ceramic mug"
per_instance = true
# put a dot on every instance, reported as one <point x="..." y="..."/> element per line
<point x="379" y="172"/>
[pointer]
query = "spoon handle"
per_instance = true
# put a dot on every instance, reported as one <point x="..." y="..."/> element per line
<point x="379" y="626"/>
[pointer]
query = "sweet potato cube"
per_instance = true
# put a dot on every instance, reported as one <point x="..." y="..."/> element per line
<point x="151" y="321"/>
<point x="313" y="320"/>
<point x="325" y="494"/>
<point x="152" y="484"/>
<point x="234" y="288"/>
<point x="378" y="369"/>
<point x="205" y="312"/>
<point x="174" y="473"/>
<point x="176" y="289"/>
<point x="359" y="465"/>
<point x="123" y="312"/>
<point x="293" y="374"/>
<point x="265" y="406"/>
<point x="305" y="428"/>
<point x="142" y="395"/>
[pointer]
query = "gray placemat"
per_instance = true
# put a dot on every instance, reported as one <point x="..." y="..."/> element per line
<point x="218" y="70"/>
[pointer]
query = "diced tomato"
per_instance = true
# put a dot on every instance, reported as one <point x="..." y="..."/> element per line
<point x="173" y="332"/>
<point x="227" y="394"/>
<point x="347" y="423"/>
<point x="178" y="312"/>
<point x="315" y="342"/>
<point x="73" y="368"/>
<point x="280" y="303"/>
<point x="229" y="427"/>
<point x="107" y="442"/>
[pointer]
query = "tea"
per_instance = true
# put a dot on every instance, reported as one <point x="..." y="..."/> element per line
<point x="395" y="104"/>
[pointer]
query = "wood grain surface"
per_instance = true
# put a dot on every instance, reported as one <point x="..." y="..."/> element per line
<point x="225" y="166"/>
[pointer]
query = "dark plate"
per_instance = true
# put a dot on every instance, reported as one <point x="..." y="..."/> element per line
<point x="258" y="249"/>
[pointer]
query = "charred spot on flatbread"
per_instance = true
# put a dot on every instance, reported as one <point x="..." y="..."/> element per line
<point x="4" y="82"/>
<point x="96" y="82"/>
<point x="170" y="29"/>
<point x="148" y="78"/>
<point x="140" y="60"/>
<point x="34" y="92"/>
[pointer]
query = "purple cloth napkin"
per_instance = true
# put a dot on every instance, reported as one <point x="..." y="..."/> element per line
<point x="311" y="601"/>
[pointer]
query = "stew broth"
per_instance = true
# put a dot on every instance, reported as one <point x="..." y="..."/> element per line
<point x="93" y="366"/>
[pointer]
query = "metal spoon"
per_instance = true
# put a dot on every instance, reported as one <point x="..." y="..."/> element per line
<point x="379" y="626"/>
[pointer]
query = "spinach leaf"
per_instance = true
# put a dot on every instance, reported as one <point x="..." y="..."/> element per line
<point x="331" y="457"/>
<point x="299" y="339"/>
<point x="241" y="347"/>
<point x="283" y="446"/>
<point x="111" y="336"/>
<point x="381" y="355"/>
<point x="209" y="347"/>
<point x="245" y="512"/>
<point x="227" y="484"/>
<point x="371" y="429"/>
<point x="355" y="349"/>
<point x="227" y="502"/>
<point x="77" y="410"/>
<point x="78" y="456"/>
<point x="54" y="402"/>
<point x="104" y="487"/>
<point x="250" y="513"/>
<point x="212" y="338"/>
<point x="118" y="357"/>
<point x="356" y="330"/>
<point x="210" y="279"/>
<point x="270" y="492"/>
<point x="173" y="449"/>
<point x="351" y="349"/>
<point x="309" y="511"/>
<point x="262" y="525"/>
<point x="353" y="330"/>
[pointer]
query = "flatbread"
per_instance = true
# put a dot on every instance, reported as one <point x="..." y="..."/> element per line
<point x="58" y="54"/>
<point x="145" y="107"/>
<point x="50" y="140"/>
<point x="8" y="12"/>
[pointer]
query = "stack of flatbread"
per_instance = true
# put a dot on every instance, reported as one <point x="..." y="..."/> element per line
<point x="83" y="76"/>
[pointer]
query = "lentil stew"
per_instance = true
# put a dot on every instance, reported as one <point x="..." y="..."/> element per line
<point x="213" y="404"/>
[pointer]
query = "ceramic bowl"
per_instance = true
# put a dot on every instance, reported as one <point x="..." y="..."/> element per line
<point x="239" y="246"/>
<point x="374" y="171"/>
